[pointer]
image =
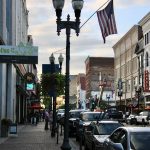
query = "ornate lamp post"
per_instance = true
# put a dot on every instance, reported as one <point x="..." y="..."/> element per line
<point x="52" y="62"/>
<point x="60" y="59"/>
<point x="68" y="25"/>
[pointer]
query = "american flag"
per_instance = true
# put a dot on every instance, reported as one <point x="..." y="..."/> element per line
<point x="106" y="19"/>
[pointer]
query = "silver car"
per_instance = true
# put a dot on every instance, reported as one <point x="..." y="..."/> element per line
<point x="128" y="138"/>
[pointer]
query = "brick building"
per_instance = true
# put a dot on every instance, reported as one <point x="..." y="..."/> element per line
<point x="100" y="78"/>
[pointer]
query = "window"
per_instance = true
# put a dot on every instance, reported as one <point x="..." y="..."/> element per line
<point x="147" y="39"/>
<point x="146" y="60"/>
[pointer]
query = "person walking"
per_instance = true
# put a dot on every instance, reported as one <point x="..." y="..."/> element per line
<point x="46" y="119"/>
<point x="50" y="119"/>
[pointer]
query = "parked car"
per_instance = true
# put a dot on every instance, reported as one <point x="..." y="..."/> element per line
<point x="115" y="114"/>
<point x="84" y="121"/>
<point x="128" y="138"/>
<point x="131" y="119"/>
<point x="60" y="113"/>
<point x="73" y="116"/>
<point x="143" y="117"/>
<point x="98" y="132"/>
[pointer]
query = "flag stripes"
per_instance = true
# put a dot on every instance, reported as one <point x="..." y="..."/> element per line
<point x="106" y="20"/>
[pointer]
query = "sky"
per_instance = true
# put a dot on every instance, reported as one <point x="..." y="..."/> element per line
<point x="89" y="43"/>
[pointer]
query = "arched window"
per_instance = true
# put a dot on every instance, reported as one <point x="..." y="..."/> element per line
<point x="146" y="60"/>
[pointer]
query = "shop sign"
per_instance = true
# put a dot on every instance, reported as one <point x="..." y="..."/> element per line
<point x="22" y="54"/>
<point x="29" y="77"/>
<point x="146" y="81"/>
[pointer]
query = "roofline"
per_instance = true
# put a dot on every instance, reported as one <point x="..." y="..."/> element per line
<point x="144" y="19"/>
<point x="132" y="28"/>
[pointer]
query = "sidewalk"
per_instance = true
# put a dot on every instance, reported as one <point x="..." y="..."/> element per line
<point x="31" y="137"/>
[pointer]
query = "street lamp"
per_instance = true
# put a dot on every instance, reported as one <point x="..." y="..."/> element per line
<point x="60" y="59"/>
<point x="68" y="25"/>
<point x="52" y="62"/>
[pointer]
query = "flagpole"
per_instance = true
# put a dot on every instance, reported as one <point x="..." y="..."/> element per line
<point x="93" y="14"/>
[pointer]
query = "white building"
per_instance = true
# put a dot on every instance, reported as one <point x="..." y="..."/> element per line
<point x="13" y="30"/>
<point x="145" y="24"/>
<point x="132" y="53"/>
<point x="81" y="92"/>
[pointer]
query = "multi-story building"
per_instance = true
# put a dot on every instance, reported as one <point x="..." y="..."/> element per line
<point x="144" y="44"/>
<point x="73" y="89"/>
<point x="126" y="65"/>
<point x="13" y="90"/>
<point x="100" y="78"/>
<point x="81" y="93"/>
<point x="132" y="65"/>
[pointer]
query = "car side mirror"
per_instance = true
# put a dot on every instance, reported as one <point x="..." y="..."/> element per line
<point x="118" y="146"/>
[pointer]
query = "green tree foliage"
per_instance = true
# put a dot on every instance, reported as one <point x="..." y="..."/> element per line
<point x="52" y="82"/>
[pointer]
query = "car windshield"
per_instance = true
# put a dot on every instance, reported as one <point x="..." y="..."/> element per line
<point x="90" y="116"/>
<point x="140" y="140"/>
<point x="107" y="128"/>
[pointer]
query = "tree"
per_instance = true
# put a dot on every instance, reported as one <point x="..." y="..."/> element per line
<point x="50" y="82"/>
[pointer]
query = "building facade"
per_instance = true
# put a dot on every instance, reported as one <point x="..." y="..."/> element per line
<point x="81" y="92"/>
<point x="132" y="66"/>
<point x="100" y="78"/>
<point x="13" y="91"/>
<point x="145" y="45"/>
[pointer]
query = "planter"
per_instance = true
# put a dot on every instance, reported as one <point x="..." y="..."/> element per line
<point x="4" y="131"/>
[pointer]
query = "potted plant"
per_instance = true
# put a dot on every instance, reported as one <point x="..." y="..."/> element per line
<point x="5" y="123"/>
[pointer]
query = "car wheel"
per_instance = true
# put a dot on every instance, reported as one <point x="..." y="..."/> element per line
<point x="136" y="122"/>
<point x="143" y="122"/>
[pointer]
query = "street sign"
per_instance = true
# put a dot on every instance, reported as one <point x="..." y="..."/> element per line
<point x="47" y="68"/>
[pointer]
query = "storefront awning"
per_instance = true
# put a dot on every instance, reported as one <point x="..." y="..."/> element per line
<point x="35" y="106"/>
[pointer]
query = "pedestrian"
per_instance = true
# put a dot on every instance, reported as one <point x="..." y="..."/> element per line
<point x="50" y="119"/>
<point x="43" y="115"/>
<point x="46" y="119"/>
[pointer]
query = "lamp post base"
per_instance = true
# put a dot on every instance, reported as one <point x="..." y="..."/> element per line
<point x="66" y="146"/>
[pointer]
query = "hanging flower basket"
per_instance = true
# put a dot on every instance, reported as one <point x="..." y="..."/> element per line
<point x="50" y="82"/>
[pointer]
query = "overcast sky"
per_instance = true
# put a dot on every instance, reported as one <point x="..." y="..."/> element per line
<point x="42" y="26"/>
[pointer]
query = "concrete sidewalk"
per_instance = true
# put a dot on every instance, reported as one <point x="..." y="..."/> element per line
<point x="32" y="137"/>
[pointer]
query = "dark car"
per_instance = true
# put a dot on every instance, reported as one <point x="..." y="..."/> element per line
<point x="98" y="132"/>
<point x="114" y="114"/>
<point x="84" y="121"/>
<point x="128" y="138"/>
<point x="73" y="116"/>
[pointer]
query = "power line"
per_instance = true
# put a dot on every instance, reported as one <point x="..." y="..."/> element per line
<point x="93" y="14"/>
<point x="86" y="22"/>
